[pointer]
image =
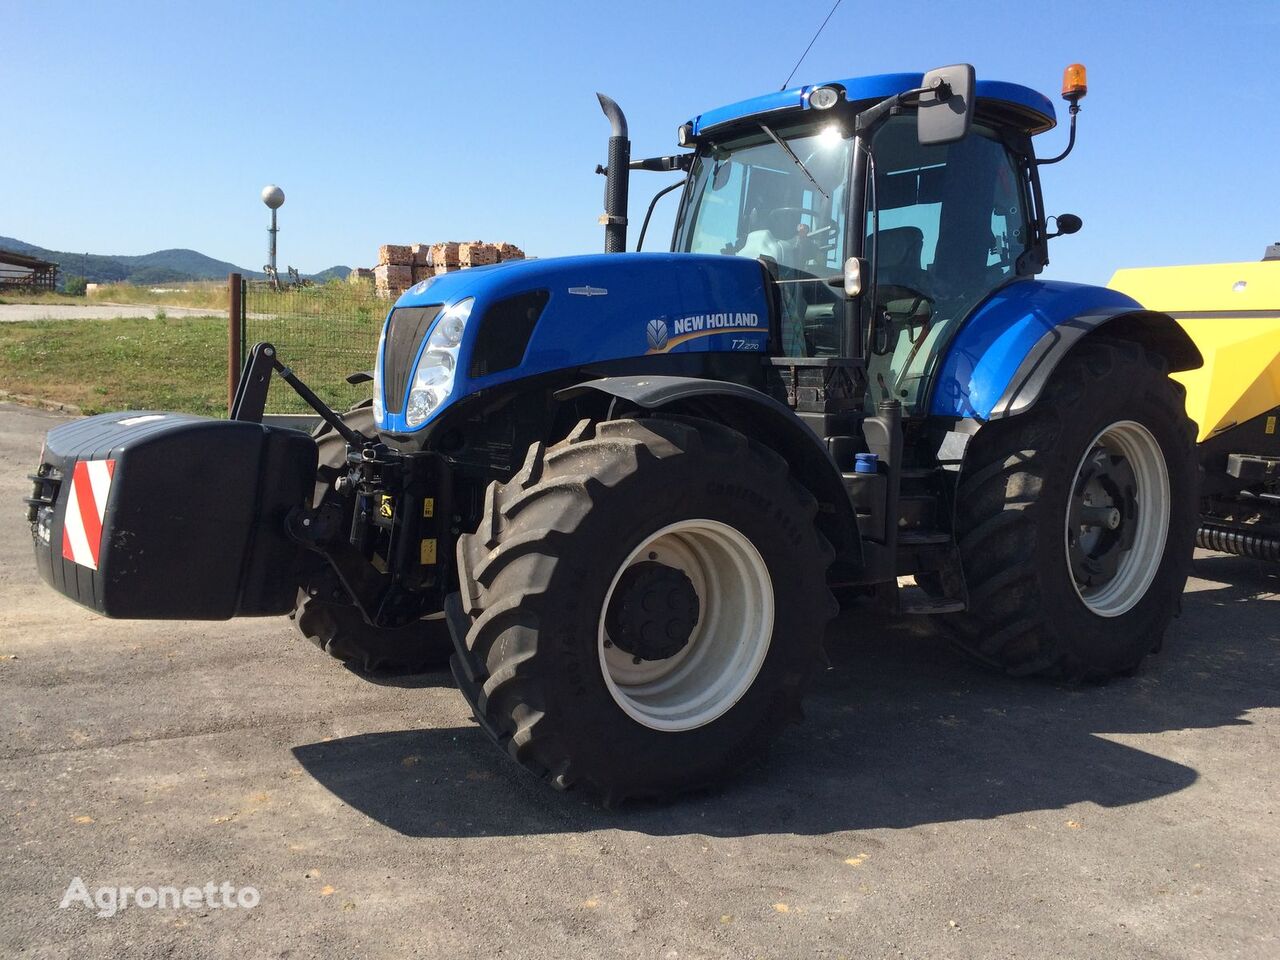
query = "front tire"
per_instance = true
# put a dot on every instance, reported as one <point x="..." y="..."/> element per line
<point x="1076" y="520"/>
<point x="646" y="602"/>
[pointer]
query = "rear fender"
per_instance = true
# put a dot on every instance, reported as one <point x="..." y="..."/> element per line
<point x="759" y="417"/>
<point x="998" y="364"/>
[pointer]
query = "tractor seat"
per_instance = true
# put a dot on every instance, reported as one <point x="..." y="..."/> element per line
<point x="899" y="250"/>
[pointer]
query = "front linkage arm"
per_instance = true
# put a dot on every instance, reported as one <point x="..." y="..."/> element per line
<point x="383" y="494"/>
<point x="255" y="379"/>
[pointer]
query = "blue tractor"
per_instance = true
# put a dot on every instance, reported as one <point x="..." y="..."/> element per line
<point x="624" y="491"/>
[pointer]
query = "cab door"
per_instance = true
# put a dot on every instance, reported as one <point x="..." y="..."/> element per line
<point x="946" y="226"/>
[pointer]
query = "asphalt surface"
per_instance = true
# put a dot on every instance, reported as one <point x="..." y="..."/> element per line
<point x="14" y="312"/>
<point x="926" y="808"/>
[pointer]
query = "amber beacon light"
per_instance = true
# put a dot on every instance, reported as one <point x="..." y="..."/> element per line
<point x="1074" y="84"/>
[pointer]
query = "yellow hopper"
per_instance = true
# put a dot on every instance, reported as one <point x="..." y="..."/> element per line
<point x="1232" y="312"/>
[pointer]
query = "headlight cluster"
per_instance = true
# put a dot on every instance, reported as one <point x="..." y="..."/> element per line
<point x="379" y="410"/>
<point x="433" y="377"/>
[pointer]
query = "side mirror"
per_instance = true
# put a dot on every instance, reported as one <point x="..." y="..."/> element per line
<point x="1067" y="223"/>
<point x="946" y="109"/>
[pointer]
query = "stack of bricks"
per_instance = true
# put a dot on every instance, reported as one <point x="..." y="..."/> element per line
<point x="394" y="273"/>
<point x="402" y="265"/>
<point x="421" y="261"/>
<point x="444" y="257"/>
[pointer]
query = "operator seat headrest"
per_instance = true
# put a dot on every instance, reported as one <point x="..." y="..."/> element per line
<point x="900" y="249"/>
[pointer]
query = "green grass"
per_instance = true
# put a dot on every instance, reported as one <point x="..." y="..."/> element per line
<point x="136" y="363"/>
<point x="168" y="363"/>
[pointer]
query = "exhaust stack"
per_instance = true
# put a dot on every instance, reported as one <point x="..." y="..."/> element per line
<point x="616" y="176"/>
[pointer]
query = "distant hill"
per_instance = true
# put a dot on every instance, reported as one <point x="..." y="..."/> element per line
<point x="163" y="266"/>
<point x="333" y="273"/>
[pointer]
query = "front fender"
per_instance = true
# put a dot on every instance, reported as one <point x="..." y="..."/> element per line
<point x="759" y="417"/>
<point x="1004" y="354"/>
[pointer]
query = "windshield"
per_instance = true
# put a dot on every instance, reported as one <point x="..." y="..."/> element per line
<point x="751" y="198"/>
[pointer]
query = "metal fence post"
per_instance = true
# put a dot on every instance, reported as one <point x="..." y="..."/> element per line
<point x="235" y="310"/>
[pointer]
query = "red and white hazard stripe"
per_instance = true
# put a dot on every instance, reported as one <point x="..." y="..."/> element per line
<point x="86" y="506"/>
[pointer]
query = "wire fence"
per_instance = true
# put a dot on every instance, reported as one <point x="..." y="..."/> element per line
<point x="323" y="332"/>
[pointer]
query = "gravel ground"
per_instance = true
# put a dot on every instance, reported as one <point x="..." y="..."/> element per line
<point x="925" y="809"/>
<point x="14" y="312"/>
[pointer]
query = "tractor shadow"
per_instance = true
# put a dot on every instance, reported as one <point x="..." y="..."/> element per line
<point x="900" y="731"/>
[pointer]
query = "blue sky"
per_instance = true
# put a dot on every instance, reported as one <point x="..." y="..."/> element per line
<point x="155" y="124"/>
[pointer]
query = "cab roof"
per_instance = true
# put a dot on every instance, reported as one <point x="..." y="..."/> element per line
<point x="1008" y="103"/>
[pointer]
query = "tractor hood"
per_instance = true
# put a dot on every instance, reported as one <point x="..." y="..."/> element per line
<point x="530" y="317"/>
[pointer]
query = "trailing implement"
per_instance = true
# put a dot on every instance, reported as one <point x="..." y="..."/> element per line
<point x="1232" y="312"/>
<point x="628" y="486"/>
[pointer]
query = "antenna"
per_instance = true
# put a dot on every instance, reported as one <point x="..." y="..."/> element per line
<point x="810" y="47"/>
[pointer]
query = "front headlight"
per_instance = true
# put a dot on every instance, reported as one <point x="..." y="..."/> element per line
<point x="379" y="412"/>
<point x="433" y="377"/>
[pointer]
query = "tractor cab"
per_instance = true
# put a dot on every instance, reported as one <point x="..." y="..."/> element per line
<point x="941" y="225"/>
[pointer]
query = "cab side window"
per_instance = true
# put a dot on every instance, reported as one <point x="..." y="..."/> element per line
<point x="945" y="228"/>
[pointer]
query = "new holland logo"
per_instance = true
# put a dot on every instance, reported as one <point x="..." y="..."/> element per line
<point x="665" y="335"/>
<point x="589" y="291"/>
<point x="657" y="333"/>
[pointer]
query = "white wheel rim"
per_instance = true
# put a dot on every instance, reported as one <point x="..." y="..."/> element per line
<point x="729" y="643"/>
<point x="1138" y="564"/>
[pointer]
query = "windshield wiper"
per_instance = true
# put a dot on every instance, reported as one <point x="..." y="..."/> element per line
<point x="798" y="162"/>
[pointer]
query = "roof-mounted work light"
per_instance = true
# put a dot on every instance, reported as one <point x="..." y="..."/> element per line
<point x="824" y="98"/>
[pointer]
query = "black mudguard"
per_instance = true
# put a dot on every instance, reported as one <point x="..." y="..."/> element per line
<point x="761" y="418"/>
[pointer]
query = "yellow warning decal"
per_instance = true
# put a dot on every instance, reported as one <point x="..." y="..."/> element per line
<point x="429" y="506"/>
<point x="386" y="506"/>
<point x="1271" y="425"/>
<point x="428" y="552"/>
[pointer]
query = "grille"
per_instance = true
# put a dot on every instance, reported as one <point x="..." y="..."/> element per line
<point x="405" y="330"/>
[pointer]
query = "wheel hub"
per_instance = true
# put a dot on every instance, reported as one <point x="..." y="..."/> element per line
<point x="653" y="611"/>
<point x="1102" y="517"/>
<point x="1118" y="518"/>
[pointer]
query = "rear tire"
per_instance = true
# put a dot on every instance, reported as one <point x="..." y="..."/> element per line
<point x="338" y="628"/>
<point x="1048" y="593"/>
<point x="590" y="556"/>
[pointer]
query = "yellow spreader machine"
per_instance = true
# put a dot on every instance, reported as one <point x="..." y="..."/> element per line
<point x="1232" y="312"/>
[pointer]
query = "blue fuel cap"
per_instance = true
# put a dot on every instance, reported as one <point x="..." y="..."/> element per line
<point x="866" y="463"/>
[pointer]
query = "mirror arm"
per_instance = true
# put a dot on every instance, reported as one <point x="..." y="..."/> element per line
<point x="681" y="161"/>
<point x="870" y="118"/>
<point x="644" y="227"/>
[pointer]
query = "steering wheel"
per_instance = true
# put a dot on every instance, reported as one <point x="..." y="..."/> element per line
<point x="811" y="212"/>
